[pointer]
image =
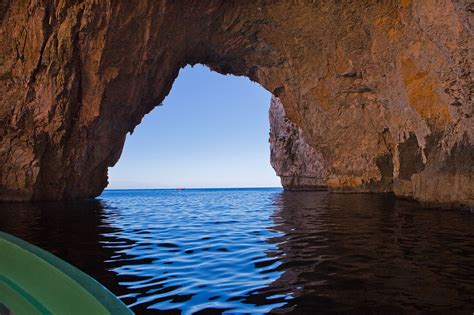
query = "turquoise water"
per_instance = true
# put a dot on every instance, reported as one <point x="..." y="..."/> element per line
<point x="260" y="250"/>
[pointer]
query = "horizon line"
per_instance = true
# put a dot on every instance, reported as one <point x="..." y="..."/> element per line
<point x="186" y="188"/>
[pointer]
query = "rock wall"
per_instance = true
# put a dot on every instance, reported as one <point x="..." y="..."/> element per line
<point x="298" y="164"/>
<point x="380" y="90"/>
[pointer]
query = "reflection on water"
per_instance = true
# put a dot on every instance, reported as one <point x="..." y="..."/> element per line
<point x="70" y="230"/>
<point x="260" y="250"/>
<point x="373" y="254"/>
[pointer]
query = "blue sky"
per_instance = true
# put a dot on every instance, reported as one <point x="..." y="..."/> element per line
<point x="212" y="131"/>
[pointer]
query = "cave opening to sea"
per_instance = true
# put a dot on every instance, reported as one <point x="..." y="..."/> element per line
<point x="363" y="109"/>
<point x="211" y="131"/>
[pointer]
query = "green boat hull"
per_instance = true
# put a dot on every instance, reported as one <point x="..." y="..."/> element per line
<point x="33" y="281"/>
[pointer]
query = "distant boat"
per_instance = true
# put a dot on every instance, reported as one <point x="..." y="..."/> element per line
<point x="33" y="281"/>
<point x="180" y="188"/>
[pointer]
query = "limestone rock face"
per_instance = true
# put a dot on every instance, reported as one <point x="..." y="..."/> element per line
<point x="380" y="90"/>
<point x="298" y="164"/>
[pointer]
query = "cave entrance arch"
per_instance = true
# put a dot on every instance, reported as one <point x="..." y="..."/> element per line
<point x="75" y="78"/>
<point x="211" y="131"/>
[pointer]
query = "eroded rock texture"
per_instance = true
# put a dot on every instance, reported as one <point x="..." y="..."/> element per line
<point x="298" y="164"/>
<point x="381" y="90"/>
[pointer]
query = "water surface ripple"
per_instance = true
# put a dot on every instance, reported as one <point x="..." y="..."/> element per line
<point x="260" y="250"/>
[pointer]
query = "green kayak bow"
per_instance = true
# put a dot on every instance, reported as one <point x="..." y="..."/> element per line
<point x="33" y="281"/>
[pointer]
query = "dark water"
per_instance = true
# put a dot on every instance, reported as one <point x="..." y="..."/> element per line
<point x="261" y="250"/>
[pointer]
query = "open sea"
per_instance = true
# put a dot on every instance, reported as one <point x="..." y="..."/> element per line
<point x="233" y="251"/>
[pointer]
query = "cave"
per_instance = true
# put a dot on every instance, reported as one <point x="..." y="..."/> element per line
<point x="352" y="82"/>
